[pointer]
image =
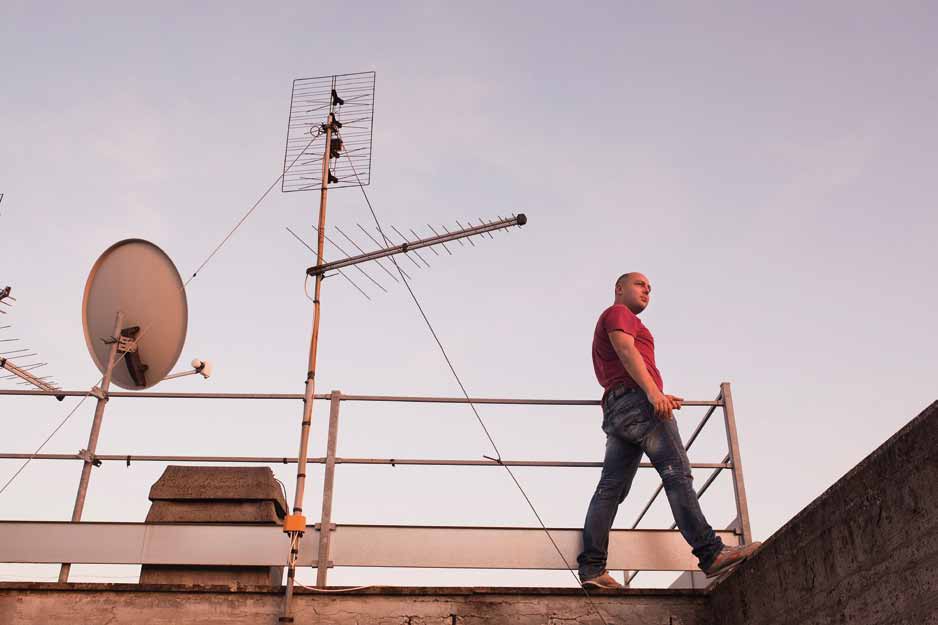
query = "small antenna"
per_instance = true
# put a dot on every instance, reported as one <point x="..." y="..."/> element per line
<point x="11" y="359"/>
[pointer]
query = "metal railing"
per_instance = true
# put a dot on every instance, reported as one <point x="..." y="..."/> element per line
<point x="534" y="555"/>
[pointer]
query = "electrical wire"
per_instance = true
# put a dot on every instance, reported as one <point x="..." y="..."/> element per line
<point x="462" y="387"/>
<point x="185" y="285"/>
<point x="333" y="590"/>
<point x="45" y="442"/>
<point x="251" y="210"/>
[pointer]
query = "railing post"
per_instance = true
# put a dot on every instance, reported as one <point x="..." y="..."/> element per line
<point x="89" y="459"/>
<point x="739" y="484"/>
<point x="325" y="519"/>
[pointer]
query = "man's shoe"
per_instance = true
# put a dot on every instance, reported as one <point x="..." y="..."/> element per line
<point x="729" y="557"/>
<point x="604" y="581"/>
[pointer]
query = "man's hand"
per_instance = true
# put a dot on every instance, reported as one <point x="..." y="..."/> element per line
<point x="676" y="402"/>
<point x="662" y="405"/>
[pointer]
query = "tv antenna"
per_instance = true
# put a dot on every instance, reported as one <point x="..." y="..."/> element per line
<point x="12" y="354"/>
<point x="134" y="315"/>
<point x="339" y="108"/>
<point x="9" y="352"/>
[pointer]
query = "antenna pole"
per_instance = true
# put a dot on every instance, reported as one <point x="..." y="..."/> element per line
<point x="89" y="459"/>
<point x="295" y="524"/>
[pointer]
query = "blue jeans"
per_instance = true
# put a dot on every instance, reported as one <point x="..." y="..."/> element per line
<point x="631" y="429"/>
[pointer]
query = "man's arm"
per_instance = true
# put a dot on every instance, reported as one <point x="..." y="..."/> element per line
<point x="624" y="346"/>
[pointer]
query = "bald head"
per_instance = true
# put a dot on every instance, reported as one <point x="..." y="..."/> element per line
<point x="624" y="277"/>
<point x="633" y="290"/>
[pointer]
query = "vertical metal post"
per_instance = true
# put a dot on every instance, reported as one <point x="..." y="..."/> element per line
<point x="296" y="535"/>
<point x="325" y="519"/>
<point x="739" y="485"/>
<point x="93" y="437"/>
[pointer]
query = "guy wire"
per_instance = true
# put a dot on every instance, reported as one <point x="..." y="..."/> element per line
<point x="145" y="329"/>
<point x="251" y="210"/>
<point x="498" y="454"/>
<point x="48" y="438"/>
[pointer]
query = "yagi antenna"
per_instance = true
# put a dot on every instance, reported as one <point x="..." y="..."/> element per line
<point x="12" y="356"/>
<point x="418" y="244"/>
<point x="339" y="110"/>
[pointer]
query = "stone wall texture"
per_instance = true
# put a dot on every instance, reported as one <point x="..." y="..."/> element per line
<point x="865" y="552"/>
<point x="96" y="604"/>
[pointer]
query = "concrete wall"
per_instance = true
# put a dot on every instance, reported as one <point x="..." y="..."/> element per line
<point x="95" y="604"/>
<point x="864" y="552"/>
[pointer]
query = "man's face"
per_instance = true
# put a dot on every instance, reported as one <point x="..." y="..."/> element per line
<point x="634" y="292"/>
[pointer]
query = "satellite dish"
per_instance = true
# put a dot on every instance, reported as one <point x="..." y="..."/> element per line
<point x="138" y="279"/>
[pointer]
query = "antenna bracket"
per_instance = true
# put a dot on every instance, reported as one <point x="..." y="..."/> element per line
<point x="87" y="456"/>
<point x="126" y="344"/>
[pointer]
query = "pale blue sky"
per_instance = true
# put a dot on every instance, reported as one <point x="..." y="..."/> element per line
<point x="769" y="167"/>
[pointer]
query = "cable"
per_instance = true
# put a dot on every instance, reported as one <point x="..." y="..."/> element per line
<point x="184" y="286"/>
<point x="330" y="590"/>
<point x="449" y="362"/>
<point x="48" y="438"/>
<point x="251" y="210"/>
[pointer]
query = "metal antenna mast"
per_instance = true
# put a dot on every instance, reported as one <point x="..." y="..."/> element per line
<point x="347" y="101"/>
<point x="295" y="523"/>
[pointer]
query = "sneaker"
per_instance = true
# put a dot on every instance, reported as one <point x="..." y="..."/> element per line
<point x="604" y="581"/>
<point x="730" y="557"/>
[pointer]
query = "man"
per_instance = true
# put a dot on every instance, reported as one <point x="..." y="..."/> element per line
<point x="638" y="418"/>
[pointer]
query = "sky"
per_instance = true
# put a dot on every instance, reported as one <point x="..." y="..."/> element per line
<point x="770" y="167"/>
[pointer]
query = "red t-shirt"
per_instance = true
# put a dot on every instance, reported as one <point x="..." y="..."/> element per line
<point x="609" y="369"/>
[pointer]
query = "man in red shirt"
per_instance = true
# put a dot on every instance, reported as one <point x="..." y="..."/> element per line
<point x="638" y="418"/>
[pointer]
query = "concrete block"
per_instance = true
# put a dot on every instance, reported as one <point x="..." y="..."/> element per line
<point x="200" y="511"/>
<point x="244" y="495"/>
<point x="180" y="483"/>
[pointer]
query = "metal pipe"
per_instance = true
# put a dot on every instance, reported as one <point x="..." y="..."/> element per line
<point x="413" y="399"/>
<point x="732" y="441"/>
<point x="700" y="426"/>
<point x="328" y="488"/>
<point x="93" y="436"/>
<point x="428" y="462"/>
<point x="322" y="268"/>
<point x="310" y="389"/>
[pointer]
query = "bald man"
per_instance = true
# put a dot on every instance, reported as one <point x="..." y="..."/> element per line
<point x="638" y="417"/>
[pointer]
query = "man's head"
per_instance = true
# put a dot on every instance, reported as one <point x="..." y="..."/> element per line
<point x="633" y="290"/>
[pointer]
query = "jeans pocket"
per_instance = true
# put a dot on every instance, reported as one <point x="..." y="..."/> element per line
<point x="631" y="420"/>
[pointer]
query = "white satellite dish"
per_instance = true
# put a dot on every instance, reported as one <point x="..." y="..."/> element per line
<point x="136" y="278"/>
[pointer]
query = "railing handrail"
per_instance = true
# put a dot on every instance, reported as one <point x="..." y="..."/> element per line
<point x="723" y="400"/>
<point x="415" y="399"/>
<point x="441" y="462"/>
